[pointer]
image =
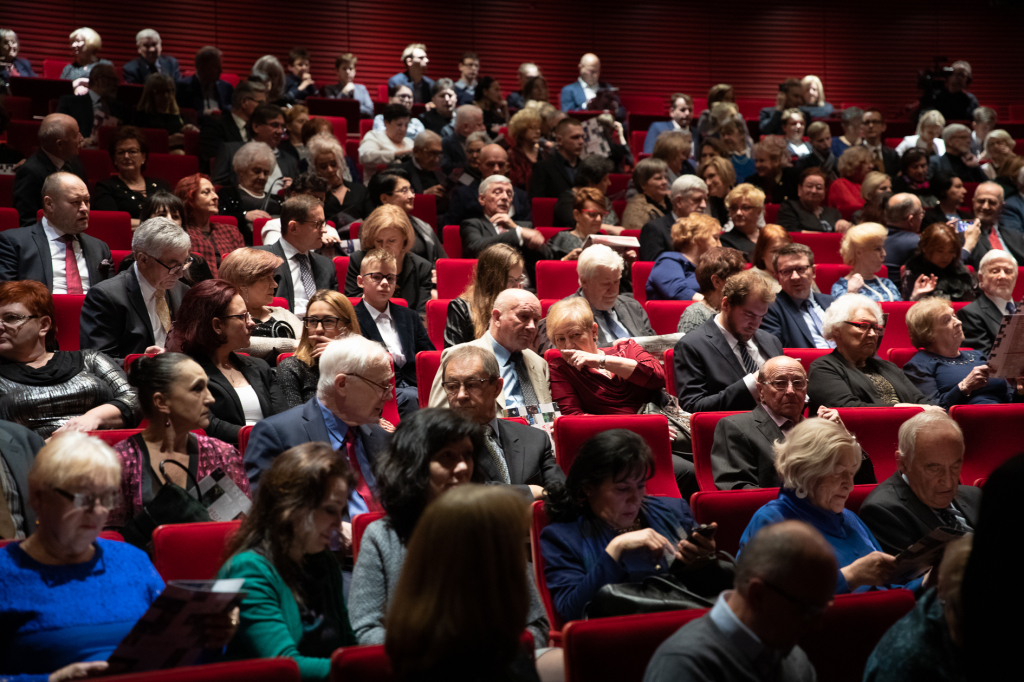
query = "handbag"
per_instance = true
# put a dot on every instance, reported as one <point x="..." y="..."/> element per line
<point x="669" y="407"/>
<point x="172" y="504"/>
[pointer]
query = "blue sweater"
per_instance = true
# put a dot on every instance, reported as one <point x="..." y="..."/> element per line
<point x="52" y="616"/>
<point x="673" y="278"/>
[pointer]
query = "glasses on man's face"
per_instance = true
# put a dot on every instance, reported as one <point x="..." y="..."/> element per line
<point x="245" y="317"/>
<point x="783" y="384"/>
<point x="383" y="389"/>
<point x="14" y="321"/>
<point x="318" y="224"/>
<point x="867" y="327"/>
<point x="377" y="278"/>
<point x="174" y="269"/>
<point x="800" y="270"/>
<point x="88" y="501"/>
<point x="328" y="322"/>
<point x="472" y="386"/>
<point x="808" y="612"/>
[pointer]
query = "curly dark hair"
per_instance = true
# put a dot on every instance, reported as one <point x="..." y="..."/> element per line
<point x="403" y="471"/>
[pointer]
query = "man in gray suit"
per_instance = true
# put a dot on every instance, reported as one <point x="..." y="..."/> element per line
<point x="925" y="492"/>
<point x="617" y="316"/>
<point x="18" y="448"/>
<point x="517" y="455"/>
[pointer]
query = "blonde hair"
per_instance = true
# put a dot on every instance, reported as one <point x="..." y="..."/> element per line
<point x="851" y="158"/>
<point x="726" y="171"/>
<point x="490" y="278"/>
<point x="999" y="134"/>
<point x="812" y="450"/>
<point x="921" y="319"/>
<point x="931" y="117"/>
<point x="92" y="38"/>
<point x="748" y="192"/>
<point x="859" y="237"/>
<point x="71" y="458"/>
<point x="693" y="228"/>
<point x="323" y="143"/>
<point x="671" y="143"/>
<point x="342" y="308"/>
<point x="570" y="311"/>
<point x="407" y="52"/>
<point x="523" y="120"/>
<point x="382" y="218"/>
<point x="807" y="80"/>
<point x="872" y="181"/>
<point x="378" y="256"/>
<point x="246" y="266"/>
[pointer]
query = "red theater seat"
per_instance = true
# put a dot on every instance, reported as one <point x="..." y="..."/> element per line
<point x="98" y="165"/>
<point x="7" y="193"/>
<point x="664" y="315"/>
<point x="8" y="218"/>
<point x="20" y="108"/>
<point x="901" y="356"/>
<point x="157" y="139"/>
<point x="243" y="439"/>
<point x="225" y="219"/>
<point x="877" y="431"/>
<point x="771" y="213"/>
<point x="341" y="270"/>
<point x="437" y="319"/>
<point x="339" y="125"/>
<point x="544" y="212"/>
<point x="118" y="255"/>
<point x="171" y="168"/>
<point x="827" y="274"/>
<point x="637" y="138"/>
<point x="670" y="372"/>
<point x="24" y="135"/>
<point x="191" y="551"/>
<point x="806" y="355"/>
<point x="990" y="437"/>
<point x="453" y="276"/>
<point x="556" y="278"/>
<point x="641" y="271"/>
<point x="427" y="364"/>
<point x="619" y="182"/>
<point x="825" y="246"/>
<point x="256" y="670"/>
<point x="361" y="664"/>
<point x="702" y="432"/>
<point x="538" y="524"/>
<point x="452" y="241"/>
<point x="112" y="227"/>
<point x="114" y="436"/>
<point x="425" y="208"/>
<point x="69" y="312"/>
<point x="365" y="126"/>
<point x="359" y="524"/>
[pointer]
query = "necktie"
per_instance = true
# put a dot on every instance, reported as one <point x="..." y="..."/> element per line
<point x="523" y="375"/>
<point x="615" y="330"/>
<point x="361" y="486"/>
<point x="748" y="362"/>
<point x="499" y="461"/>
<point x="879" y="162"/>
<point x="949" y="518"/>
<point x="162" y="311"/>
<point x="806" y="306"/>
<point x="308" y="283"/>
<point x="1010" y="308"/>
<point x="993" y="238"/>
<point x="71" y="274"/>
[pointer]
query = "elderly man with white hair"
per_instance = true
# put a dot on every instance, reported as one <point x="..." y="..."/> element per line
<point x="510" y="335"/>
<point x="997" y="275"/>
<point x="925" y="491"/>
<point x="151" y="59"/>
<point x="689" y="194"/>
<point x="59" y="141"/>
<point x="132" y="312"/>
<point x="617" y="316"/>
<point x="958" y="161"/>
<point x="469" y="119"/>
<point x="994" y="234"/>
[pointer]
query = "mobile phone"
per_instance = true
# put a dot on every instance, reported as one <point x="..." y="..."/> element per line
<point x="704" y="530"/>
<point x="962" y="225"/>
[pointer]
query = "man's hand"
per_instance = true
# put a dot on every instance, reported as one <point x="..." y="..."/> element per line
<point x="843" y="225"/>
<point x="829" y="413"/>
<point x="970" y="160"/>
<point x="436" y="190"/>
<point x="154" y="350"/>
<point x="532" y="239"/>
<point x="349" y="89"/>
<point x="972" y="235"/>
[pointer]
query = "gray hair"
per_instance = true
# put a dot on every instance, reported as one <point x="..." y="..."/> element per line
<point x="53" y="128"/>
<point x="486" y="183"/>
<point x="910" y="428"/>
<point x="251" y="152"/>
<point x="352" y="354"/>
<point x="985" y="115"/>
<point x="468" y="350"/>
<point x="598" y="256"/>
<point x="158" y="235"/>
<point x="425" y="138"/>
<point x="244" y="91"/>
<point x="899" y="207"/>
<point x="323" y="143"/>
<point x="996" y="254"/>
<point x="478" y="136"/>
<point x="146" y="33"/>
<point x="851" y="114"/>
<point x="686" y="184"/>
<point x="463" y="113"/>
<point x="812" y="450"/>
<point x="843" y="308"/>
<point x="954" y="129"/>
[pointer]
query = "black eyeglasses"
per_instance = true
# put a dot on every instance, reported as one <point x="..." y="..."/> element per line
<point x="472" y="386"/>
<point x="318" y="224"/>
<point x="245" y="317"/>
<point x="174" y="268"/>
<point x="809" y="612"/>
<point x="88" y="501"/>
<point x="867" y="326"/>
<point x="377" y="278"/>
<point x="328" y="322"/>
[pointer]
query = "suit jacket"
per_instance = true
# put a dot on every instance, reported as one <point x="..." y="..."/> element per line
<point x="631" y="315"/>
<point x="214" y="135"/>
<point x="795" y="218"/>
<point x="1013" y="213"/>
<point x="549" y="179"/>
<point x="898" y="519"/>
<point x="137" y="70"/>
<point x="786" y="322"/>
<point x="411" y="333"/>
<point x="659" y="127"/>
<point x="834" y="382"/>
<point x="413" y="285"/>
<point x="900" y="245"/>
<point x="25" y="254"/>
<point x="1013" y="239"/>
<point x="465" y="204"/>
<point x="656" y="237"/>
<point x="226" y="415"/>
<point x="574" y="99"/>
<point x="115" y="320"/>
<point x="18" y="447"/>
<point x="954" y="166"/>
<point x="709" y="376"/>
<point x="28" y="183"/>
<point x="479" y="233"/>
<point x="417" y="175"/>
<point x="981" y="320"/>
<point x="190" y="95"/>
<point x="324" y="274"/>
<point x="536" y="367"/>
<point x="301" y="424"/>
<point x="79" y="107"/>
<point x="528" y="455"/>
<point x="223" y="172"/>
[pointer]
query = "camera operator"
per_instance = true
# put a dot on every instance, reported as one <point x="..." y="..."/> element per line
<point x="950" y="98"/>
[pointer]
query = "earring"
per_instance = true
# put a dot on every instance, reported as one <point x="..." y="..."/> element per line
<point x="167" y="423"/>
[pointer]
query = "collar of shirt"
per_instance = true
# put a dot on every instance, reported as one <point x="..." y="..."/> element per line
<point x="493" y="425"/>
<point x="148" y="290"/>
<point x="501" y="353"/>
<point x="336" y="428"/>
<point x="375" y="314"/>
<point x="289" y="250"/>
<point x="589" y="91"/>
<point x="778" y="419"/>
<point x="416" y="164"/>
<point x="58" y="162"/>
<point x="52" y="233"/>
<point x="1000" y="303"/>
<point x="730" y="339"/>
<point x="734" y="630"/>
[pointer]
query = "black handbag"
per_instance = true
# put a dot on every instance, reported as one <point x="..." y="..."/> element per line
<point x="172" y="504"/>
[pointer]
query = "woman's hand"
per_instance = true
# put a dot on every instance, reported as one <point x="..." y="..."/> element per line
<point x="854" y="284"/>
<point x="843" y="225"/>
<point x="155" y="350"/>
<point x="697" y="548"/>
<point x="925" y="284"/>
<point x="874" y="569"/>
<point x="219" y="628"/>
<point x="978" y="378"/>
<point x="319" y="344"/>
<point x="580" y="359"/>
<point x="189" y="128"/>
<point x="84" y="423"/>
<point x="77" y="671"/>
<point x="386" y="425"/>
<point x="647" y="539"/>
<point x="573" y="255"/>
<point x="252" y="216"/>
<point x="629" y="258"/>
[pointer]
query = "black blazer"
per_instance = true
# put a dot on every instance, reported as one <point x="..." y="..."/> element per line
<point x="25" y="254"/>
<point x="422" y="179"/>
<point x="479" y="233"/>
<point x="981" y="320"/>
<point x="631" y="314"/>
<point x="734" y="239"/>
<point x="656" y="237"/>
<point x="137" y="70"/>
<point x="549" y="178"/>
<point x="413" y="285"/>
<point x="324" y="274"/>
<point x="18" y="447"/>
<point x="1012" y="238"/>
<point x="465" y="204"/>
<point x="786" y="322"/>
<point x="190" y="95"/>
<point x="115" y="320"/>
<point x="528" y="455"/>
<point x="301" y="424"/>
<point x="113" y="194"/>
<point x="28" y="183"/>
<point x="834" y="382"/>
<point x="79" y="107"/>
<point x="709" y="377"/>
<point x="898" y="519"/>
<point x="795" y="218"/>
<point x="223" y="172"/>
<point x="215" y="133"/>
<point x="411" y="333"/>
<point x="226" y="415"/>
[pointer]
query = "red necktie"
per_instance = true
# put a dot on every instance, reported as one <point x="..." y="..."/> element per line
<point x="364" y="490"/>
<point x="71" y="274"/>
<point x="993" y="239"/>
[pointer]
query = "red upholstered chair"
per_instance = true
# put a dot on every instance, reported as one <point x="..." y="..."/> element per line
<point x="641" y="271"/>
<point x="636" y="142"/>
<point x="112" y="227"/>
<point x="425" y="208"/>
<point x="771" y="213"/>
<point x="670" y="373"/>
<point x="896" y="333"/>
<point x="7" y="195"/>
<point x="827" y="274"/>
<point x="427" y="364"/>
<point x="98" y="165"/>
<point x="971" y="188"/>
<point x="857" y="496"/>
<point x="989" y="436"/>
<point x="556" y="278"/>
<point x="8" y="216"/>
<point x="731" y="510"/>
<point x="453" y="276"/>
<point x="52" y="68"/>
<point x="114" y="436"/>
<point x="20" y="108"/>
<point x="544" y="211"/>
<point x="437" y="318"/>
<point x="256" y="670"/>
<point x="130" y="358"/>
<point x="452" y="241"/>
<point x="156" y="138"/>
<point x="191" y="136"/>
<point x="545" y="305"/>
<point x="825" y="246"/>
<point x="805" y="355"/>
<point x="901" y="356"/>
<point x="341" y="269"/>
<point x="361" y="664"/>
<point x="619" y="182"/>
<point x="191" y="551"/>
<point x="171" y="168"/>
<point x="339" y="124"/>
<point x="550" y="232"/>
<point x="118" y="255"/>
<point x="23" y="136"/>
<point x="280" y="302"/>
<point x="665" y="315"/>
<point x="257" y="231"/>
<point x="702" y="432"/>
<point x="69" y="312"/>
<point x="540" y="521"/>
<point x="571" y="432"/>
<point x="243" y="438"/>
<point x="232" y="78"/>
<point x="877" y="431"/>
<point x="359" y="524"/>
<point x="365" y="126"/>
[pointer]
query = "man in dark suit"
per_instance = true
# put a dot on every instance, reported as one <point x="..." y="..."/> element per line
<point x="414" y="57"/>
<point x="266" y="125"/>
<point x="344" y="416"/>
<point x="465" y="198"/>
<point x="424" y="169"/>
<point x="555" y="174"/>
<point x="205" y="91"/>
<point x="791" y="96"/>
<point x="18" y="448"/>
<point x="576" y="95"/>
<point x="886" y="159"/>
<point x="997" y="275"/>
<point x="99" y="104"/>
<point x="41" y="253"/>
<point x="132" y="312"/>
<point x="903" y="216"/>
<point x="796" y="316"/>
<point x="958" y="161"/>
<point x="925" y="492"/>
<point x="230" y="127"/>
<point x="688" y="194"/>
<point x="988" y="208"/>
<point x="517" y="455"/>
<point x="395" y="327"/>
<point x="150" y="60"/>
<point x="304" y="271"/>
<point x="59" y="140"/>
<point x="469" y="119"/>
<point x="716" y="364"/>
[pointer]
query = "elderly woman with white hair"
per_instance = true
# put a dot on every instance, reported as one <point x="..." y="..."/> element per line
<point x="381" y="147"/>
<point x="248" y="199"/>
<point x="928" y="136"/>
<point x="999" y="146"/>
<point x="817" y="463"/>
<point x="343" y="196"/>
<point x="85" y="47"/>
<point x="851" y="375"/>
<point x="68" y="597"/>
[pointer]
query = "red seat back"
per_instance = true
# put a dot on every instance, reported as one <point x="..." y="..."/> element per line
<point x="114" y="436"/>
<point x="118" y="255"/>
<point x="191" y="551"/>
<point x="425" y="208"/>
<point x="771" y="213"/>
<point x="359" y="524"/>
<point x="231" y="78"/>
<point x="636" y="142"/>
<point x="280" y="302"/>
<point x="664" y="315"/>
<point x="256" y="670"/>
<point x="98" y="165"/>
<point x="641" y="271"/>
<point x="806" y="355"/>
<point x="702" y="433"/>
<point x="20" y="108"/>
<point x="619" y="182"/>
<point x="69" y="312"/>
<point x="345" y="108"/>
<point x="8" y="216"/>
<point x="670" y="373"/>
<point x="877" y="431"/>
<point x="453" y="276"/>
<point x="825" y="246"/>
<point x="365" y="126"/>
<point x="243" y="438"/>
<point x="452" y="241"/>
<point x="556" y="278"/>
<point x="339" y="125"/>
<point x="427" y="364"/>
<point x="550" y="232"/>
<point x="171" y="168"/>
<point x="827" y="274"/>
<point x="157" y="139"/>
<point x="341" y="270"/>
<point x="571" y="432"/>
<point x="990" y="437"/>
<point x="23" y="136"/>
<point x="901" y="356"/>
<point x="7" y="196"/>
<point x="257" y="231"/>
<point x="544" y="211"/>
<point x="225" y="219"/>
<point x="896" y="333"/>
<point x="539" y="523"/>
<point x="437" y="318"/>
<point x="361" y="664"/>
<point x="112" y="227"/>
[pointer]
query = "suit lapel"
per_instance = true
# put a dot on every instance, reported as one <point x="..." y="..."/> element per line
<point x="922" y="511"/>
<point x="43" y="247"/>
<point x="514" y="455"/>
<point x="313" y="422"/>
<point x="406" y="332"/>
<point x="284" y="276"/>
<point x="767" y="426"/>
<point x="93" y="257"/>
<point x="138" y="304"/>
<point x="717" y="339"/>
<point x="367" y="325"/>
<point x="797" y="318"/>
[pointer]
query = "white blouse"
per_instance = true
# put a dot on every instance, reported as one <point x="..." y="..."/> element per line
<point x="250" y="404"/>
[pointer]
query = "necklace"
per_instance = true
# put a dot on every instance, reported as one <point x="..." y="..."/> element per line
<point x="637" y="525"/>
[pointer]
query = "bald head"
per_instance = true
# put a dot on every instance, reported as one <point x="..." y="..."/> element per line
<point x="66" y="202"/>
<point x="904" y="211"/>
<point x="59" y="135"/>
<point x="469" y="118"/>
<point x="787" y="401"/>
<point x="493" y="160"/>
<point x="590" y="68"/>
<point x="514" y="319"/>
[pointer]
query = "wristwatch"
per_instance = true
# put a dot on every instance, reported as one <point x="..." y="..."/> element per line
<point x="603" y="358"/>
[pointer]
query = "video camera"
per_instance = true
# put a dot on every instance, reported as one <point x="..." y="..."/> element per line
<point x="934" y="78"/>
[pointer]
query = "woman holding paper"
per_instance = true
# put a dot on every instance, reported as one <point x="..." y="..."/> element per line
<point x="68" y="598"/>
<point x="175" y="397"/>
<point x="589" y="211"/>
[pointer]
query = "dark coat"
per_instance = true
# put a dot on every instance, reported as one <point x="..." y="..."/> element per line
<point x="79" y="107"/>
<point x="215" y="133"/>
<point x="981" y="320"/>
<point x="1013" y="239"/>
<point x="549" y="178"/>
<point x="226" y="415"/>
<point x="18" y="447"/>
<point x="834" y="382"/>
<point x="223" y="172"/>
<point x="479" y="233"/>
<point x="413" y="285"/>
<point x="786" y="322"/>
<point x="465" y="204"/>
<point x="656" y="237"/>
<point x="795" y="218"/>
<point x="25" y="254"/>
<point x="28" y="183"/>
<point x="411" y="333"/>
<point x="138" y="70"/>
<point x="324" y="274"/>
<point x="190" y="95"/>
<point x="528" y="455"/>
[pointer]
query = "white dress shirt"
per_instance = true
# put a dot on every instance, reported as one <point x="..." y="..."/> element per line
<point x="386" y="327"/>
<point x="58" y="252"/>
<point x="149" y="293"/>
<point x="751" y="379"/>
<point x="1000" y="303"/>
<point x="301" y="302"/>
<point x="588" y="92"/>
<point x="240" y="124"/>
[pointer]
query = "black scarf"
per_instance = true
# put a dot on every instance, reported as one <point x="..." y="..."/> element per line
<point x="61" y="368"/>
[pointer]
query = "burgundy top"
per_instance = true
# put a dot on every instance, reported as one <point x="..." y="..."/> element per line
<point x="222" y="240"/>
<point x="520" y="168"/>
<point x="587" y="391"/>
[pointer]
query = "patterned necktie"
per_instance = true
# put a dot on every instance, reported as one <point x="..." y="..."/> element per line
<point x="361" y="485"/>
<point x="879" y="162"/>
<point x="308" y="283"/>
<point x="162" y="311"/>
<point x="806" y="306"/>
<point x="7" y="528"/>
<point x="615" y="330"/>
<point x="949" y="518"/>
<point x="1010" y="308"/>
<point x="748" y="362"/>
<point x="523" y="375"/>
<point x="492" y="447"/>
<point x="71" y="274"/>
